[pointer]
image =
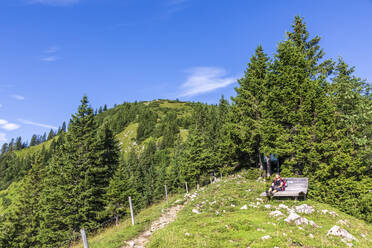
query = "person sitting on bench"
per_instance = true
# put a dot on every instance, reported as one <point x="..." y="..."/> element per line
<point x="277" y="185"/>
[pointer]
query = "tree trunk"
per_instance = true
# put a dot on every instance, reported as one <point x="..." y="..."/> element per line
<point x="260" y="162"/>
<point x="268" y="166"/>
<point x="117" y="220"/>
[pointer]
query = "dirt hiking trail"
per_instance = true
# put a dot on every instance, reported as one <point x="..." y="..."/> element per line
<point x="166" y="218"/>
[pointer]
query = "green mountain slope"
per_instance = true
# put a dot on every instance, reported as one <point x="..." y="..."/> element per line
<point x="123" y="119"/>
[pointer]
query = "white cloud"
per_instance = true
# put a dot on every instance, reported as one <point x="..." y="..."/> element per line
<point x="55" y="2"/>
<point x="49" y="59"/>
<point x="176" y="2"/>
<point x="3" y="138"/>
<point x="18" y="97"/>
<point x="37" y="124"/>
<point x="52" y="49"/>
<point x="1" y="105"/>
<point x="4" y="124"/>
<point x="205" y="79"/>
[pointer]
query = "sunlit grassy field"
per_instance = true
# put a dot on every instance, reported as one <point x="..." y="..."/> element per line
<point x="222" y="222"/>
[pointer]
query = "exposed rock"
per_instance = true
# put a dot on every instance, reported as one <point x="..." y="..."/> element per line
<point x="312" y="223"/>
<point x="333" y="213"/>
<point x="260" y="230"/>
<point x="292" y="217"/>
<point x="349" y="244"/>
<point x="276" y="213"/>
<point x="187" y="234"/>
<point x="283" y="206"/>
<point x="305" y="209"/>
<point x="326" y="211"/>
<point x="298" y="220"/>
<point x="195" y="211"/>
<point x="266" y="237"/>
<point x="244" y="207"/>
<point x="232" y="205"/>
<point x="311" y="235"/>
<point x="267" y="206"/>
<point x="338" y="231"/>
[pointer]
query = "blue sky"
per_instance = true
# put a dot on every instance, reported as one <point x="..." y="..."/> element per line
<point x="52" y="52"/>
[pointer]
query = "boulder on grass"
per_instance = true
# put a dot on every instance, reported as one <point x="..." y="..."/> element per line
<point x="338" y="231"/>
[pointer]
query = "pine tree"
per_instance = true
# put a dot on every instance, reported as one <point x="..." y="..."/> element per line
<point x="51" y="134"/>
<point x="196" y="159"/>
<point x="78" y="176"/>
<point x="4" y="148"/>
<point x="297" y="108"/>
<point x="250" y="107"/>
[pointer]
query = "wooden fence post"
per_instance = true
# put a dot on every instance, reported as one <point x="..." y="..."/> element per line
<point x="166" y="192"/>
<point x="187" y="188"/>
<point x="131" y="210"/>
<point x="84" y="238"/>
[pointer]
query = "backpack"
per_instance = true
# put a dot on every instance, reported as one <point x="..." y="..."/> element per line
<point x="285" y="184"/>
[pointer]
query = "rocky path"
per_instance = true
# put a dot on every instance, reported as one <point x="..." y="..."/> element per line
<point x="166" y="218"/>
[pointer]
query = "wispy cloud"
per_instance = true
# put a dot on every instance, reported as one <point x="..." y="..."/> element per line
<point x="52" y="49"/>
<point x="4" y="124"/>
<point x="205" y="79"/>
<point x="18" y="97"/>
<point x="50" y="54"/>
<point x="27" y="122"/>
<point x="176" y="2"/>
<point x="49" y="59"/>
<point x="175" y="5"/>
<point x="55" y="2"/>
<point x="3" y="138"/>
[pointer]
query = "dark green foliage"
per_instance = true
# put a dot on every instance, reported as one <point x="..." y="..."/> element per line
<point x="77" y="178"/>
<point x="147" y="120"/>
<point x="250" y="122"/>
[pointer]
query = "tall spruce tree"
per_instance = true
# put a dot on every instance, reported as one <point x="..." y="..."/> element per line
<point x="250" y="107"/>
<point x="297" y="105"/>
<point x="79" y="174"/>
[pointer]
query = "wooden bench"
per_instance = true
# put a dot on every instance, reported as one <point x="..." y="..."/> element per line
<point x="296" y="187"/>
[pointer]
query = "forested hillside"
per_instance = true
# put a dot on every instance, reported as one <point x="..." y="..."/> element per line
<point x="312" y="114"/>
